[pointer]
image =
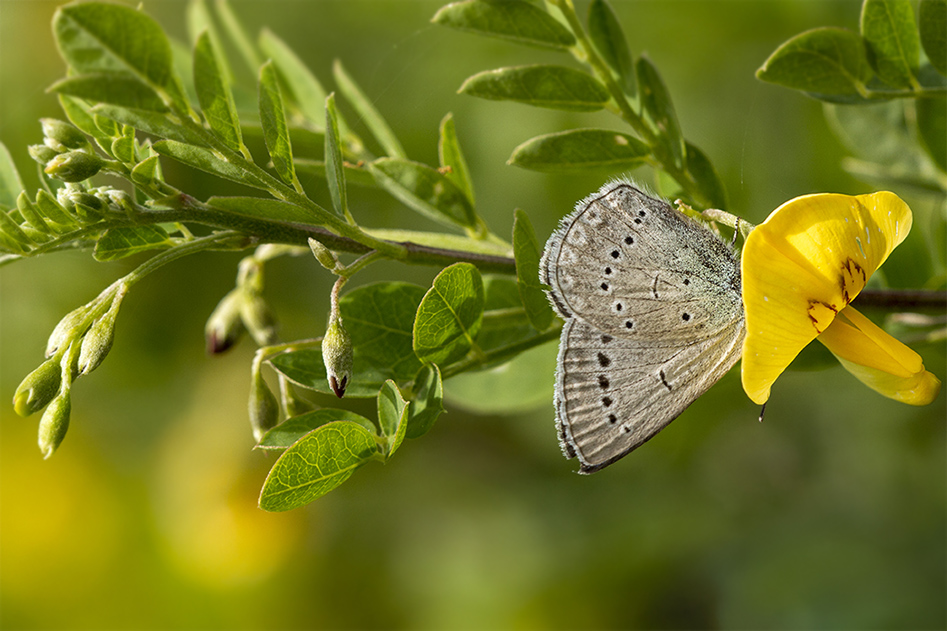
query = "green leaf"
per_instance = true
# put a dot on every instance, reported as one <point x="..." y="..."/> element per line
<point x="370" y="116"/>
<point x="238" y="35"/>
<point x="656" y="101"/>
<point x="213" y="92"/>
<point x="275" y="131"/>
<point x="932" y="128"/>
<point x="81" y="116"/>
<point x="205" y="160"/>
<point x="96" y="37"/>
<point x="452" y="159"/>
<point x="827" y="60"/>
<point x="10" y="183"/>
<point x="527" y="253"/>
<point x="115" y="88"/>
<point x="704" y="173"/>
<point x="555" y="87"/>
<point x="892" y="40"/>
<point x="580" y="149"/>
<point x="392" y="416"/>
<point x="151" y="123"/>
<point x="609" y="40"/>
<point x="425" y="190"/>
<point x="266" y="209"/>
<point x="307" y="369"/>
<point x="335" y="171"/>
<point x="379" y="319"/>
<point x="524" y="383"/>
<point x="317" y="463"/>
<point x="427" y="403"/>
<point x="932" y="22"/>
<point x="292" y="429"/>
<point x="514" y="20"/>
<point x="117" y="243"/>
<point x="450" y="315"/>
<point x="304" y="87"/>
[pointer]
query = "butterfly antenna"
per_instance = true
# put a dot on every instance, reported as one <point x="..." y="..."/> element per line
<point x="762" y="411"/>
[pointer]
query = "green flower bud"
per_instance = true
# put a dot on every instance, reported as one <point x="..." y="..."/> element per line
<point x="54" y="423"/>
<point x="258" y="318"/>
<point x="38" y="388"/>
<point x="337" y="356"/>
<point x="42" y="153"/>
<point x="74" y="166"/>
<point x="72" y="325"/>
<point x="59" y="134"/>
<point x="225" y="324"/>
<point x="98" y="341"/>
<point x="263" y="407"/>
<point x="324" y="255"/>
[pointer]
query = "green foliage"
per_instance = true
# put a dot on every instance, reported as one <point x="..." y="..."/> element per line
<point x="485" y="316"/>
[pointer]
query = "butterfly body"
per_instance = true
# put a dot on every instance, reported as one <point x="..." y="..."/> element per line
<point x="654" y="317"/>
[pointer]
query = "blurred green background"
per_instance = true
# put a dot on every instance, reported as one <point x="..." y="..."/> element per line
<point x="830" y="514"/>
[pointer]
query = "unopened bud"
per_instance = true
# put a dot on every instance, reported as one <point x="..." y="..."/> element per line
<point x="263" y="407"/>
<point x="74" y="166"/>
<point x="324" y="255"/>
<point x="69" y="328"/>
<point x="63" y="136"/>
<point x="54" y="423"/>
<point x="38" y="388"/>
<point x="98" y="341"/>
<point x="258" y="318"/>
<point x="337" y="356"/>
<point x="225" y="325"/>
<point x="42" y="153"/>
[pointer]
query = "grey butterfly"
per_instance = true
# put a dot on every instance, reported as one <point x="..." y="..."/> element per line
<point x="654" y="317"/>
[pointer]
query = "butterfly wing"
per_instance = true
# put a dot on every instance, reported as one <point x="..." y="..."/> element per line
<point x="615" y="393"/>
<point x="654" y="317"/>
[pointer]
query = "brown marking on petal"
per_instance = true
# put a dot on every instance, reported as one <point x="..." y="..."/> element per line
<point x="852" y="279"/>
<point x="813" y="317"/>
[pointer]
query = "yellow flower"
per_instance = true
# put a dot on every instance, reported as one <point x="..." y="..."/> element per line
<point x="801" y="269"/>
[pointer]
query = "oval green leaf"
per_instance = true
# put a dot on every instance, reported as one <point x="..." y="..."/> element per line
<point x="656" y="101"/>
<point x="450" y="315"/>
<point x="214" y="94"/>
<point x="379" y="319"/>
<point x="555" y="87"/>
<point x="124" y="241"/>
<point x="527" y="252"/>
<point x="10" y="183"/>
<point x="932" y="22"/>
<point x="392" y="416"/>
<point x="580" y="149"/>
<point x="116" y="88"/>
<point x="428" y="402"/>
<point x="303" y="86"/>
<point x="267" y="209"/>
<point x="205" y="160"/>
<point x="822" y="61"/>
<point x="514" y="20"/>
<point x="156" y="125"/>
<point x="609" y="40"/>
<point x="452" y="159"/>
<point x="317" y="463"/>
<point x="706" y="176"/>
<point x="892" y="40"/>
<point x="425" y="190"/>
<point x="335" y="171"/>
<point x="292" y="429"/>
<point x="275" y="131"/>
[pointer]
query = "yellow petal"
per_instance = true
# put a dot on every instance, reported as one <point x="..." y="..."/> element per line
<point x="803" y="265"/>
<point x="878" y="360"/>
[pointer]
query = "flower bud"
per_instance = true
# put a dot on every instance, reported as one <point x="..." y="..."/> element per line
<point x="258" y="318"/>
<point x="69" y="328"/>
<point x="74" y="166"/>
<point x="324" y="255"/>
<point x="337" y="356"/>
<point x="38" y="388"/>
<point x="263" y="407"/>
<point x="54" y="423"/>
<point x="63" y="136"/>
<point x="42" y="153"/>
<point x="98" y="341"/>
<point x="225" y="325"/>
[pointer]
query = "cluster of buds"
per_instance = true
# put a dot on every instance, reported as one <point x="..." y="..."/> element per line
<point x="66" y="154"/>
<point x="76" y="347"/>
<point x="242" y="309"/>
